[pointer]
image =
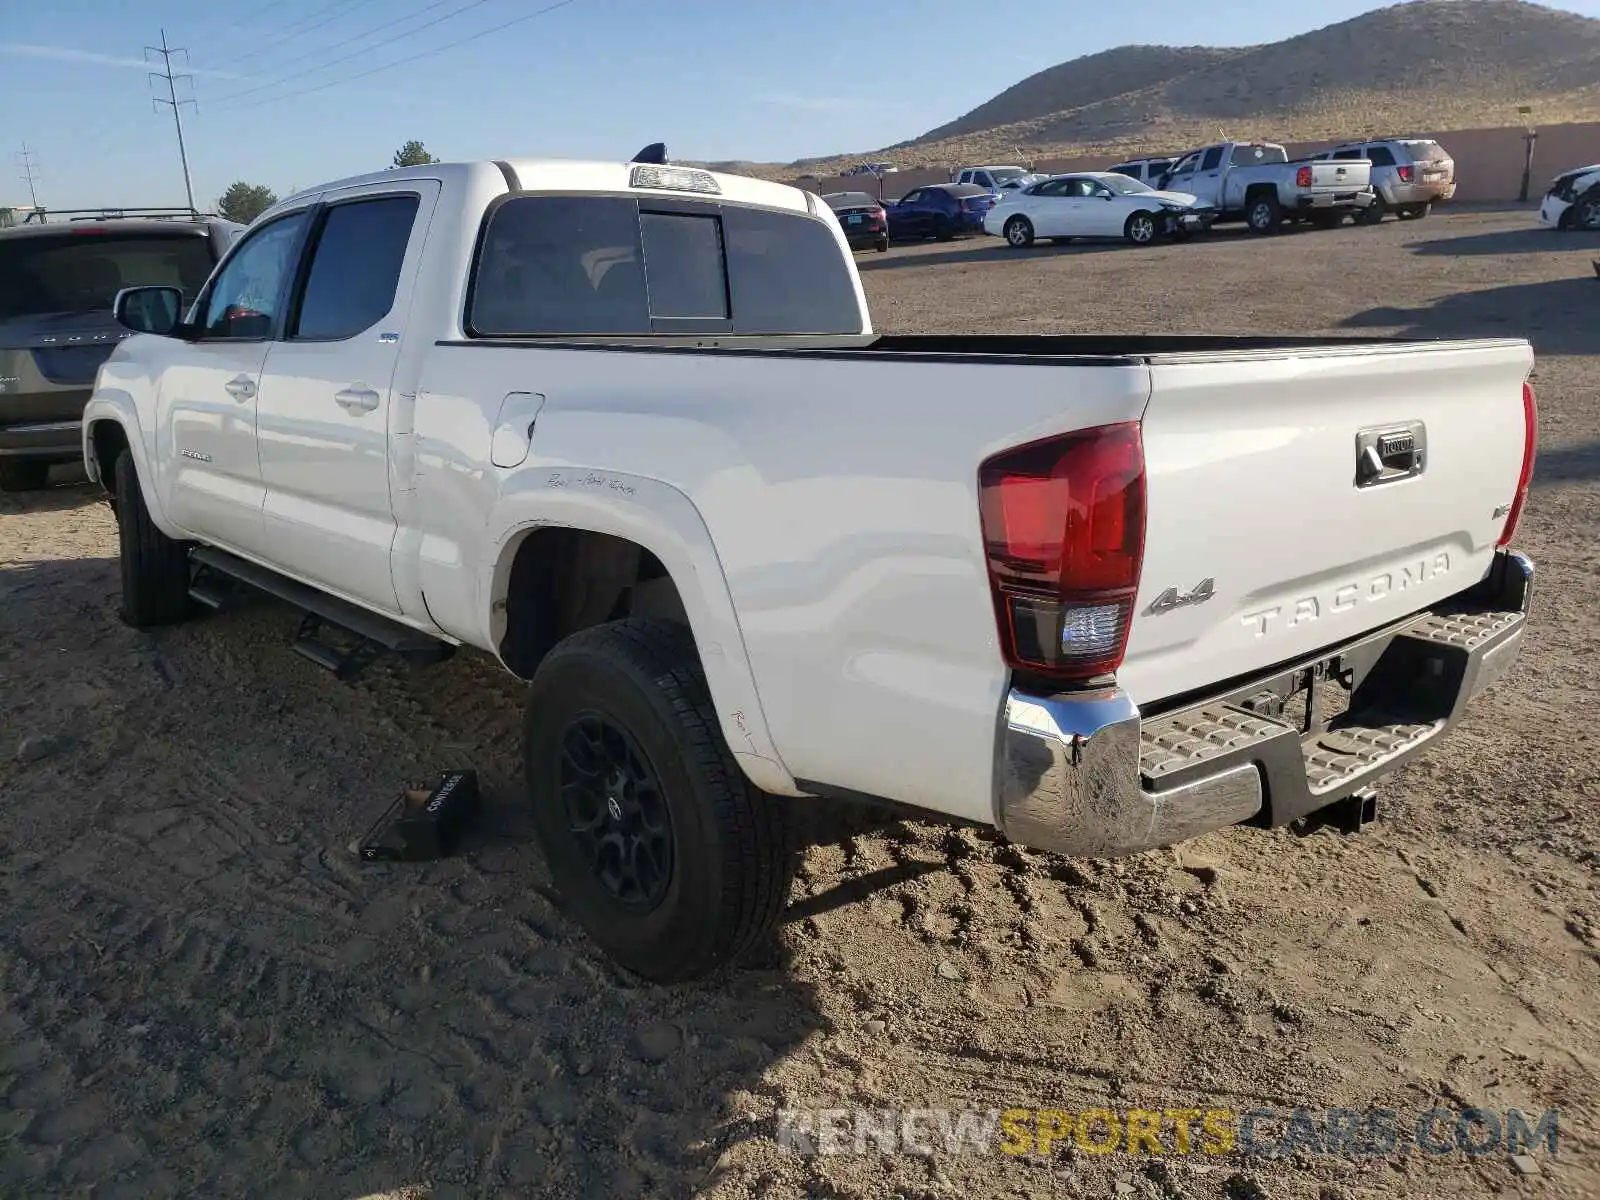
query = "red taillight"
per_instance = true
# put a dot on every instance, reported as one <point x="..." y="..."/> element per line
<point x="1404" y="173"/>
<point x="1302" y="177"/>
<point x="1530" y="443"/>
<point x="1063" y="530"/>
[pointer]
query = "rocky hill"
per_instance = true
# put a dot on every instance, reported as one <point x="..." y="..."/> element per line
<point x="1425" y="65"/>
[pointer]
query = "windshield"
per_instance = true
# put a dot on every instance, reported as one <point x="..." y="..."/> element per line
<point x="76" y="271"/>
<point x="1007" y="174"/>
<point x="1122" y="185"/>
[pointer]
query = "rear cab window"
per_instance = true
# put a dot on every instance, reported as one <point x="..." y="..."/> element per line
<point x="81" y="270"/>
<point x="609" y="265"/>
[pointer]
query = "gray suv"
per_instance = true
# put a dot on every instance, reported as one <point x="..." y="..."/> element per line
<point x="1408" y="174"/>
<point x="57" y="282"/>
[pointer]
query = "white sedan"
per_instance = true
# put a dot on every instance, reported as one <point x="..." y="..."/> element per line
<point x="1093" y="204"/>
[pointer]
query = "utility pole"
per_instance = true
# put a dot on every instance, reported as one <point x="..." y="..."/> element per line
<point x="173" y="102"/>
<point x="28" y="162"/>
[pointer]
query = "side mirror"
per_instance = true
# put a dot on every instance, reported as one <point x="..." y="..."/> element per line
<point x="148" y="309"/>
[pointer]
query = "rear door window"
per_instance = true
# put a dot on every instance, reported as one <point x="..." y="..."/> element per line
<point x="1381" y="156"/>
<point x="611" y="265"/>
<point x="80" y="271"/>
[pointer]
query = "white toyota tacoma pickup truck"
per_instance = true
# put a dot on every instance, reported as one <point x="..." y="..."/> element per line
<point x="627" y="427"/>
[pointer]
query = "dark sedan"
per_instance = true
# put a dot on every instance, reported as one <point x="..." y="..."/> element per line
<point x="862" y="219"/>
<point x="939" y="210"/>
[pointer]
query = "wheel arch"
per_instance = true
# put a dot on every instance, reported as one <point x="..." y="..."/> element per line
<point x="565" y="553"/>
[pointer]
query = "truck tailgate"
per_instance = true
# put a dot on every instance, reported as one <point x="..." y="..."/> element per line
<point x="1267" y="538"/>
<point x="1339" y="174"/>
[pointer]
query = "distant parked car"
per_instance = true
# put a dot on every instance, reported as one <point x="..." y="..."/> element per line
<point x="939" y="210"/>
<point x="1572" y="201"/>
<point x="999" y="179"/>
<point x="862" y="218"/>
<point x="58" y="281"/>
<point x="871" y="169"/>
<point x="1094" y="204"/>
<point x="1408" y="174"/>
<point x="1146" y="170"/>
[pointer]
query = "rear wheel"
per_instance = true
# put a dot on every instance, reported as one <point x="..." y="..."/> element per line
<point x="882" y="246"/>
<point x="1415" y="212"/>
<point x="155" y="568"/>
<point x="23" y="474"/>
<point x="662" y="850"/>
<point x="1140" y="228"/>
<point x="1263" y="213"/>
<point x="1019" y="233"/>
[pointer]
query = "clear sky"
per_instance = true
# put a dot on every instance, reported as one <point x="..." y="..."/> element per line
<point x="280" y="104"/>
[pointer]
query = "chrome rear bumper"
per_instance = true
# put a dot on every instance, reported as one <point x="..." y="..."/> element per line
<point x="1089" y="776"/>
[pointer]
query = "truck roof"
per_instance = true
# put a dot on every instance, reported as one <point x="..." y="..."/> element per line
<point x="570" y="175"/>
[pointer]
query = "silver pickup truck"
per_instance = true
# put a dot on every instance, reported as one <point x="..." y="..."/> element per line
<point x="1256" y="183"/>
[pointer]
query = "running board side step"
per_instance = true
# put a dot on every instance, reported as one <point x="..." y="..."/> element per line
<point x="372" y="633"/>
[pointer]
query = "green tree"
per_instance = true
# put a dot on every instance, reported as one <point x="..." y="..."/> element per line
<point x="412" y="154"/>
<point x="244" y="202"/>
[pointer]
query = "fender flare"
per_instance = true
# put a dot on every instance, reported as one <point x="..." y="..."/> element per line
<point x="663" y="520"/>
<point x="118" y="408"/>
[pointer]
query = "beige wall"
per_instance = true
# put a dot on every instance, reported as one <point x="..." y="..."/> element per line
<point x="1488" y="163"/>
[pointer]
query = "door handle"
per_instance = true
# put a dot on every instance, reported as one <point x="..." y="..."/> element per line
<point x="240" y="387"/>
<point x="357" y="399"/>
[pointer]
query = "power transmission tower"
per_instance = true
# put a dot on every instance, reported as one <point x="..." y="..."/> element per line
<point x="173" y="102"/>
<point x="28" y="162"/>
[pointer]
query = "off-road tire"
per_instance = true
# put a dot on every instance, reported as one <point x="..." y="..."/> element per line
<point x="732" y="846"/>
<point x="23" y="475"/>
<point x="155" y="568"/>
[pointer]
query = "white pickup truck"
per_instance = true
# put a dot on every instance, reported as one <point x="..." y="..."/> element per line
<point x="627" y="427"/>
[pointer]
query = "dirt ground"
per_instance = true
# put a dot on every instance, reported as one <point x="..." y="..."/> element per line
<point x="202" y="993"/>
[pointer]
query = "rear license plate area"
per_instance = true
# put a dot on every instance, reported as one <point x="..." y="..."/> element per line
<point x="855" y="220"/>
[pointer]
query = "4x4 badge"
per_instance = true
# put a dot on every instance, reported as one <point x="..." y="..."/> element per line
<point x="1172" y="598"/>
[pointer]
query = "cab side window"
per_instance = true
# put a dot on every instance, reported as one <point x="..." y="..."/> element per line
<point x="1213" y="159"/>
<point x="355" y="267"/>
<point x="245" y="301"/>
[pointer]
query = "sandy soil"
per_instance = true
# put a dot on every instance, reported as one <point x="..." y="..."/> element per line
<point x="203" y="993"/>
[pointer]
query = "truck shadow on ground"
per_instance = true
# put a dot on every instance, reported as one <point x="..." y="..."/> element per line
<point x="1557" y="316"/>
<point x="1559" y="465"/>
<point x="280" y="1018"/>
<point x="1506" y="241"/>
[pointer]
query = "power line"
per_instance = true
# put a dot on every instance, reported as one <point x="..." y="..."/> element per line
<point x="454" y="12"/>
<point x="311" y="70"/>
<point x="550" y="8"/>
<point x="295" y="31"/>
<point x="173" y="102"/>
<point x="27" y="161"/>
